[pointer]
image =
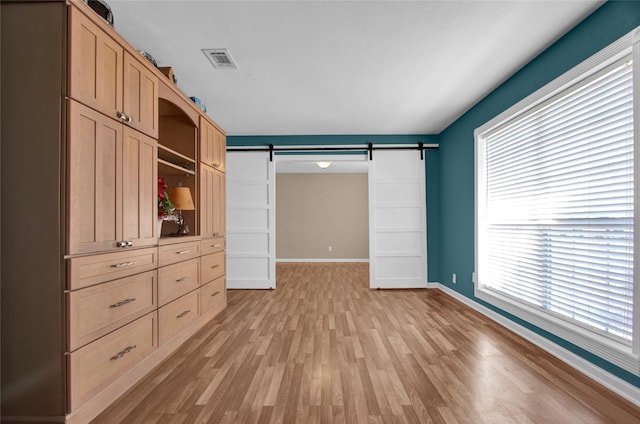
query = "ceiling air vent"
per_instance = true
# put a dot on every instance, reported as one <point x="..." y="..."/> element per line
<point x="220" y="58"/>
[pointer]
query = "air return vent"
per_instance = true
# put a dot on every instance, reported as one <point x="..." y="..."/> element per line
<point x="220" y="58"/>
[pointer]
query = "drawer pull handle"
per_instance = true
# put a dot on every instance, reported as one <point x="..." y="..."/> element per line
<point x="123" y="302"/>
<point x="184" y="313"/>
<point x="123" y="264"/>
<point x="216" y="293"/>
<point x="215" y="164"/>
<point x="216" y="245"/>
<point x="214" y="266"/>
<point x="124" y="243"/>
<point x="124" y="352"/>
<point x="180" y="280"/>
<point x="183" y="252"/>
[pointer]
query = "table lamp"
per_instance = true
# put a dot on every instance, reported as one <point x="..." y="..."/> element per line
<point x="182" y="201"/>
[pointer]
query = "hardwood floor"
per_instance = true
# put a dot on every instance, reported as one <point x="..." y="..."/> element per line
<point x="323" y="348"/>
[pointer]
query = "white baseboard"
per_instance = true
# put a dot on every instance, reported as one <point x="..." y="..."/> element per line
<point x="608" y="380"/>
<point x="319" y="260"/>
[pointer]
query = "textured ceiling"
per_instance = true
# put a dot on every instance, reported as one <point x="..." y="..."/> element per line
<point x="344" y="67"/>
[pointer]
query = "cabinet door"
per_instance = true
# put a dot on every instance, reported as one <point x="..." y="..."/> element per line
<point x="140" y="96"/>
<point x="221" y="149"/>
<point x="221" y="231"/>
<point x="207" y="142"/>
<point x="208" y="194"/>
<point x="212" y="202"/>
<point x="95" y="66"/>
<point x="213" y="145"/>
<point x="139" y="188"/>
<point x="95" y="183"/>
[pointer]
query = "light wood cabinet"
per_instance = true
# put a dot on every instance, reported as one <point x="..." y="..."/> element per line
<point x="139" y="190"/>
<point x="212" y="245"/>
<point x="98" y="310"/>
<point x="213" y="266"/>
<point x="95" y="64"/>
<point x="213" y="146"/>
<point x="140" y="96"/>
<point x="174" y="253"/>
<point x="177" y="315"/>
<point x="212" y="201"/>
<point x="112" y="202"/>
<point x="177" y="279"/>
<point x="213" y="296"/>
<point x="87" y="274"/>
<point x="107" y="78"/>
<point x="84" y="271"/>
<point x="101" y="362"/>
<point x="95" y="181"/>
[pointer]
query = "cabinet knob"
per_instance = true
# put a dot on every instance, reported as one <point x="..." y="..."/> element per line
<point x="124" y="117"/>
<point x="122" y="243"/>
<point x="129" y="243"/>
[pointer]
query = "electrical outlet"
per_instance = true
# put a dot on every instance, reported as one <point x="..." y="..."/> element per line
<point x="330" y="248"/>
<point x="453" y="278"/>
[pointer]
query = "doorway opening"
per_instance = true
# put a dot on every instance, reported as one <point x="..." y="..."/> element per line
<point x="322" y="208"/>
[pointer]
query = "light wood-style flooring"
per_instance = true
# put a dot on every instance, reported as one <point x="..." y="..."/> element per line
<point x="323" y="348"/>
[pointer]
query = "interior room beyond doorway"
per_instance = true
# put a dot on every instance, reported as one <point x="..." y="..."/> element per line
<point x="322" y="214"/>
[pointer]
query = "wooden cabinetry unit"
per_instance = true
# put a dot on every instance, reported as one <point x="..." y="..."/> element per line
<point x="93" y="297"/>
<point x="212" y="200"/>
<point x="96" y="365"/>
<point x="213" y="146"/>
<point x="111" y="200"/>
<point x="105" y="77"/>
<point x="98" y="310"/>
<point x="95" y="64"/>
<point x="140" y="96"/>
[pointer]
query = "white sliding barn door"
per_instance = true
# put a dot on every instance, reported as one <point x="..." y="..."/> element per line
<point x="250" y="221"/>
<point x="397" y="220"/>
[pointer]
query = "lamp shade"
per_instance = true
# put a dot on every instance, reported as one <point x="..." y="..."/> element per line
<point x="181" y="198"/>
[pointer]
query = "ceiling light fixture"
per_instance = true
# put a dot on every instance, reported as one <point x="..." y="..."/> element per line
<point x="324" y="165"/>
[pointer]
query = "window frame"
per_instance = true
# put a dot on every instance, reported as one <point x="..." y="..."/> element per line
<point x="621" y="354"/>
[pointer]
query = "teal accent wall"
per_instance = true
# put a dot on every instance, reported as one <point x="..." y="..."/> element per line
<point x="456" y="154"/>
<point x="432" y="171"/>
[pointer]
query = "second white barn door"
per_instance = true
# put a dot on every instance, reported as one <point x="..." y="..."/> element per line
<point x="250" y="221"/>
<point x="397" y="220"/>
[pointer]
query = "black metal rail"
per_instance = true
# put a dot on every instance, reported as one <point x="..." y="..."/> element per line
<point x="368" y="148"/>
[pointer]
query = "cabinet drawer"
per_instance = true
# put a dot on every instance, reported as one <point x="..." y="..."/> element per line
<point x="177" y="315"/>
<point x="213" y="296"/>
<point x="99" y="363"/>
<point x="173" y="253"/>
<point x="212" y="267"/>
<point x="90" y="270"/>
<point x="212" y="245"/>
<point x="95" y="311"/>
<point x="177" y="279"/>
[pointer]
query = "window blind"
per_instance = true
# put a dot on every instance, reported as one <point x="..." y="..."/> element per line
<point x="557" y="230"/>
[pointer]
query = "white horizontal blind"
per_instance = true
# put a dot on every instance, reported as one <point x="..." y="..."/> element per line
<point x="557" y="229"/>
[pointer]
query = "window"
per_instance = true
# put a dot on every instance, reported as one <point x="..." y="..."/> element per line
<point x="555" y="208"/>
